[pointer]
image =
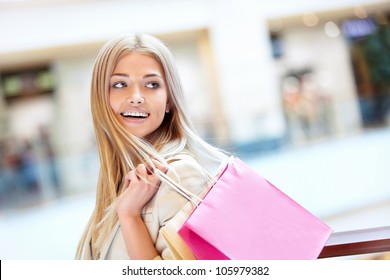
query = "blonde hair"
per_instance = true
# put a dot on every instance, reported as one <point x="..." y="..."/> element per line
<point x="121" y="151"/>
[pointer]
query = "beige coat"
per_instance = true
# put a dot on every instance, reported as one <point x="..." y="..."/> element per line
<point x="165" y="204"/>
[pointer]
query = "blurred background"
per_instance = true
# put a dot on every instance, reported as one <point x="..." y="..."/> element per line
<point x="298" y="89"/>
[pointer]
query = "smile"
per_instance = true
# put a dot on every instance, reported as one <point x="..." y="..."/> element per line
<point x="138" y="115"/>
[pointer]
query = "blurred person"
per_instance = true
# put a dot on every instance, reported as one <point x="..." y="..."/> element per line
<point x="28" y="168"/>
<point x="291" y="94"/>
<point x="307" y="109"/>
<point x="18" y="173"/>
<point x="46" y="151"/>
<point x="315" y="106"/>
<point x="14" y="186"/>
<point x="145" y="140"/>
<point x="4" y="173"/>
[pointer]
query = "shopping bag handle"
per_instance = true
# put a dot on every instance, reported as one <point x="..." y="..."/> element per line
<point x="186" y="193"/>
<point x="180" y="189"/>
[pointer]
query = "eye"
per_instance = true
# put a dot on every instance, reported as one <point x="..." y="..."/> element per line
<point x="119" y="85"/>
<point x="152" y="85"/>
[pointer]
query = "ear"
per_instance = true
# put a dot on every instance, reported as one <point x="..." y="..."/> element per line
<point x="168" y="108"/>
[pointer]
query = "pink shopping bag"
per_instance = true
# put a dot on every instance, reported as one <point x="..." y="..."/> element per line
<point x="244" y="217"/>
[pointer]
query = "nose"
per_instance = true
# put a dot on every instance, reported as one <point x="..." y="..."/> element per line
<point x="135" y="98"/>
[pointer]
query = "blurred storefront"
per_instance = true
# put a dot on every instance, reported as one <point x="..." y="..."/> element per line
<point x="369" y="40"/>
<point x="334" y="71"/>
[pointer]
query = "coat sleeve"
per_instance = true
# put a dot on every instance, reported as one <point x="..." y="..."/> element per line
<point x="189" y="174"/>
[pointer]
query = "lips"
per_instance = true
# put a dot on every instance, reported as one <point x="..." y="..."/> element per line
<point x="135" y="114"/>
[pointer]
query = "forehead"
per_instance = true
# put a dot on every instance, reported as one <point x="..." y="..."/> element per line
<point x="139" y="63"/>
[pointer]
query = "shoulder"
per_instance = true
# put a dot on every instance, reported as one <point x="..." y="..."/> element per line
<point x="185" y="170"/>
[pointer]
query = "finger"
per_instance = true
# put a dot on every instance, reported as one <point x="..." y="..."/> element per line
<point x="160" y="166"/>
<point x="142" y="174"/>
<point x="127" y="179"/>
<point x="153" y="180"/>
<point x="141" y="170"/>
<point x="149" y="168"/>
<point x="132" y="176"/>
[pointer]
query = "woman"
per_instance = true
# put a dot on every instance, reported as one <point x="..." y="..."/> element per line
<point x="146" y="144"/>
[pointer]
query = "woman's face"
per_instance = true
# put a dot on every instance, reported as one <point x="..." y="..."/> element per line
<point x="139" y="94"/>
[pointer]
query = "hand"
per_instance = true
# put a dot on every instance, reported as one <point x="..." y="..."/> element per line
<point x="141" y="185"/>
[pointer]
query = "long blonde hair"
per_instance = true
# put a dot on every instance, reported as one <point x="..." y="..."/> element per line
<point x="119" y="150"/>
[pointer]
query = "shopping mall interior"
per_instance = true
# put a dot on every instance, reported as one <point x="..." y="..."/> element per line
<point x="298" y="89"/>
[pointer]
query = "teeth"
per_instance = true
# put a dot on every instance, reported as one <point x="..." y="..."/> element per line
<point x="135" y="114"/>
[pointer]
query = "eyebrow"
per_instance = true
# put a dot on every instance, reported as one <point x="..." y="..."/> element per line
<point x="151" y="75"/>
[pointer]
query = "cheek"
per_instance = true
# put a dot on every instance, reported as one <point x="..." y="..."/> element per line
<point x="114" y="103"/>
<point x="162" y="105"/>
<point x="160" y="114"/>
